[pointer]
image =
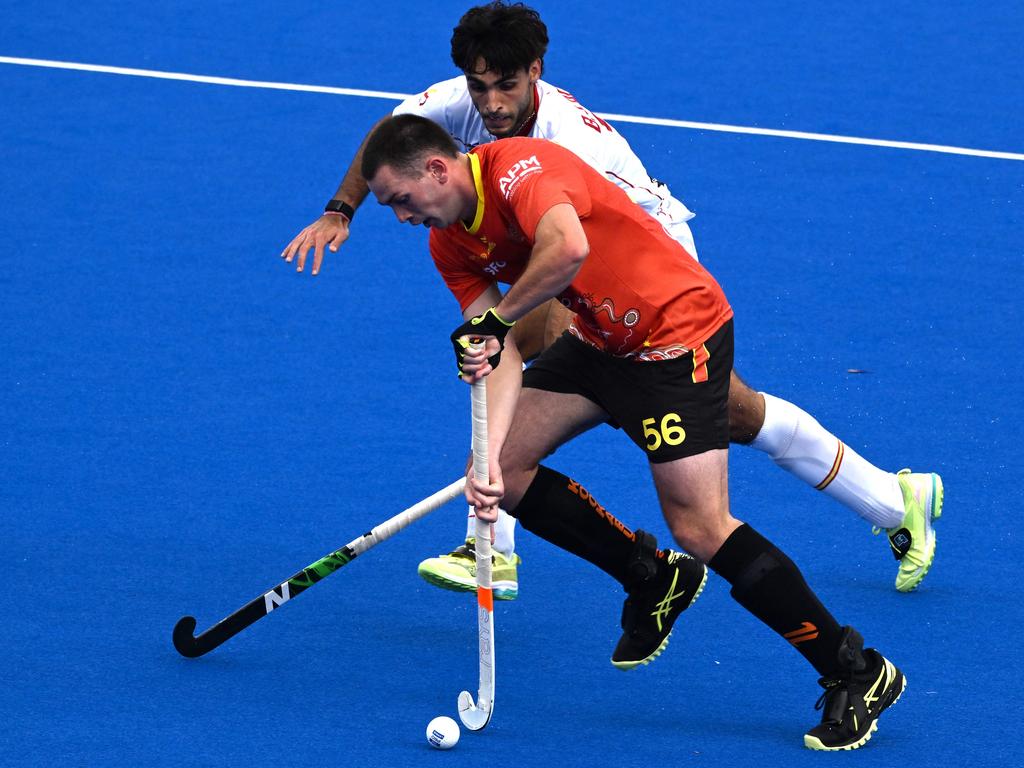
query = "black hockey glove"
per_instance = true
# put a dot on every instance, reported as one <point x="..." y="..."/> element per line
<point x="489" y="323"/>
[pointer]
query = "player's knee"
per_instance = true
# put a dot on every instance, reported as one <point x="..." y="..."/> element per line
<point x="701" y="529"/>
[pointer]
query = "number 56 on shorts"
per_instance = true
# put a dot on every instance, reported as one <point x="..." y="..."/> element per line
<point x="668" y="432"/>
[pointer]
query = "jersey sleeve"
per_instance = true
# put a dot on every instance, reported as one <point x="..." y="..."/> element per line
<point x="534" y="185"/>
<point x="465" y="283"/>
<point x="431" y="103"/>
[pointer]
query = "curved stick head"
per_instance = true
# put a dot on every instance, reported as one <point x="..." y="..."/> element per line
<point x="184" y="640"/>
<point x="472" y="716"/>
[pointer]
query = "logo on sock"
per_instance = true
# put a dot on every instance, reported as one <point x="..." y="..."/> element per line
<point x="603" y="513"/>
<point x="806" y="632"/>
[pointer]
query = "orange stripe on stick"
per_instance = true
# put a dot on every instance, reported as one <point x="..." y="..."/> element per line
<point x="485" y="598"/>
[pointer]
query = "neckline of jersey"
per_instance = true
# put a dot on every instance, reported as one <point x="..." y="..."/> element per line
<point x="527" y="126"/>
<point x="478" y="182"/>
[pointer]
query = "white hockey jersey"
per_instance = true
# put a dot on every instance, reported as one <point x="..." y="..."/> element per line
<point x="562" y="119"/>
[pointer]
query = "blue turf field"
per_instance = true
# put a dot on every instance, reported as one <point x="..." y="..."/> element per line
<point x="184" y="421"/>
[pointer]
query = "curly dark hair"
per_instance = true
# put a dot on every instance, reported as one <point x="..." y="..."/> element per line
<point x="400" y="141"/>
<point x="507" y="36"/>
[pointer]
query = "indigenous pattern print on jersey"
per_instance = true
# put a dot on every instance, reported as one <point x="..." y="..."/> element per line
<point x="636" y="295"/>
<point x="565" y="121"/>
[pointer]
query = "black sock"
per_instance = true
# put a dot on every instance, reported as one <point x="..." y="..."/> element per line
<point x="561" y="511"/>
<point x="770" y="586"/>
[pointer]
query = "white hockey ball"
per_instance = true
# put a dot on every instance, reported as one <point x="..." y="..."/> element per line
<point x="442" y="733"/>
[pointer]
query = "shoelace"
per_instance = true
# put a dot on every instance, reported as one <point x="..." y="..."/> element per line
<point x="672" y="556"/>
<point x="820" y="703"/>
<point x="468" y="552"/>
<point x="834" y="688"/>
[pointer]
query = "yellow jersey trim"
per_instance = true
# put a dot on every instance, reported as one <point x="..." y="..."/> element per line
<point x="478" y="182"/>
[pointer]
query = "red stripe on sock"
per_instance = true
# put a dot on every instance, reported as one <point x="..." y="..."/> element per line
<point x="835" y="468"/>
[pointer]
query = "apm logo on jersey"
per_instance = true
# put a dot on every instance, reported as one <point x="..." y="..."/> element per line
<point x="517" y="173"/>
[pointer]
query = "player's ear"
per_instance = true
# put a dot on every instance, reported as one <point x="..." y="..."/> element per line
<point x="535" y="70"/>
<point x="438" y="169"/>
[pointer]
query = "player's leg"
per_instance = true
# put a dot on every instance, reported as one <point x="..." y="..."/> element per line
<point x="557" y="320"/>
<point x="859" y="683"/>
<point x="689" y="465"/>
<point x="799" y="444"/>
<point x="457" y="569"/>
<point x="562" y="511"/>
<point x="904" y="504"/>
<point x="693" y="492"/>
<point x="531" y="332"/>
<point x="558" y="401"/>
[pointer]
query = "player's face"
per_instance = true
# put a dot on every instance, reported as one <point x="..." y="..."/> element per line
<point x="416" y="199"/>
<point x="504" y="102"/>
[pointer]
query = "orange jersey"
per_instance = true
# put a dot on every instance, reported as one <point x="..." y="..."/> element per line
<point x="638" y="293"/>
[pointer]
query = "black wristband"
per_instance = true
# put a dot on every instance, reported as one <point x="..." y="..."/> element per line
<point x="340" y="206"/>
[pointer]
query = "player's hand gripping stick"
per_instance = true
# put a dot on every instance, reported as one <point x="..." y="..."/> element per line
<point x="490" y="323"/>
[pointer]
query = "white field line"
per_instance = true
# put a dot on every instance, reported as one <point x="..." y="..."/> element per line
<point x="265" y="84"/>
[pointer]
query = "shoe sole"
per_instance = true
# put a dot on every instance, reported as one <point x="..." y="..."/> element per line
<point x="625" y="666"/>
<point x="502" y="590"/>
<point x="812" y="742"/>
<point x="936" y="512"/>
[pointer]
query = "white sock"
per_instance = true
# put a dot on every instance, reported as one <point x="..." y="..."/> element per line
<point x="799" y="444"/>
<point x="504" y="532"/>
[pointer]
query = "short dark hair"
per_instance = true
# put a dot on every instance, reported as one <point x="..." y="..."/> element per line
<point x="508" y="37"/>
<point x="400" y="141"/>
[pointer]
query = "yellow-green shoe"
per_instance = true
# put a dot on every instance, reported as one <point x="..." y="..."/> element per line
<point x="913" y="540"/>
<point x="457" y="571"/>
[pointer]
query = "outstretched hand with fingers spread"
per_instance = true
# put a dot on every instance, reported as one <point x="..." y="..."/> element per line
<point x="330" y="230"/>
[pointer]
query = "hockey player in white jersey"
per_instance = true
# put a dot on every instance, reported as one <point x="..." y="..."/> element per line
<point x="470" y="107"/>
<point x="500" y="49"/>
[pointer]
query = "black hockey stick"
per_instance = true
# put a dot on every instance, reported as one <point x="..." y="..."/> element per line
<point x="191" y="646"/>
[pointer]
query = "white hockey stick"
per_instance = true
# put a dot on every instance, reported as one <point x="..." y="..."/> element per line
<point x="476" y="715"/>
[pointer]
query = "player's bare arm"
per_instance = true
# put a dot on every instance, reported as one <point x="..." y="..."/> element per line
<point x="559" y="250"/>
<point x="331" y="230"/>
